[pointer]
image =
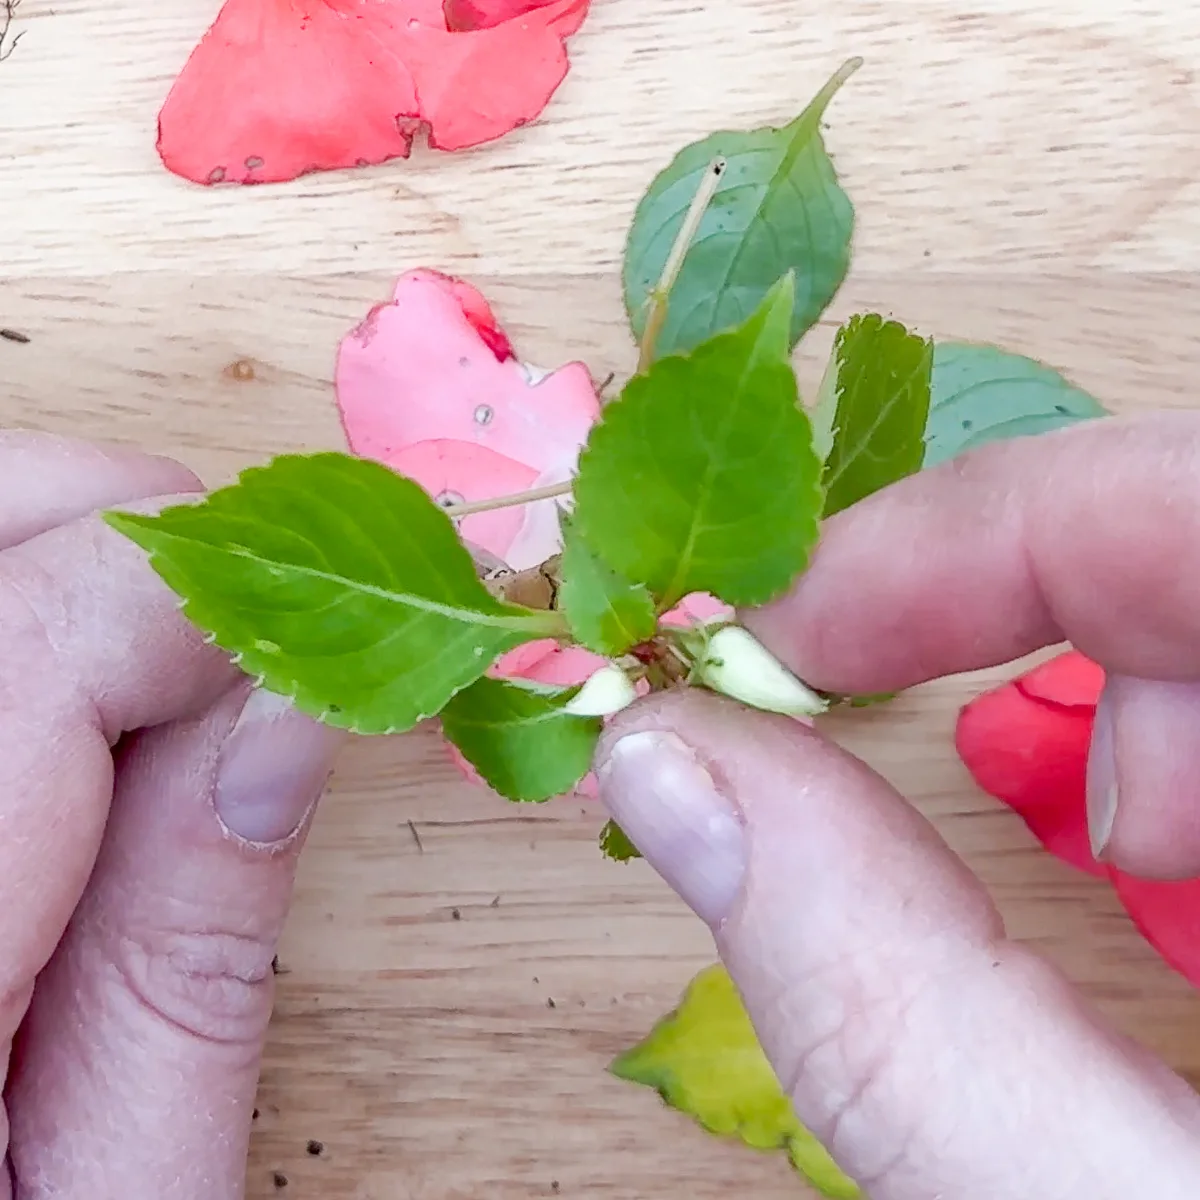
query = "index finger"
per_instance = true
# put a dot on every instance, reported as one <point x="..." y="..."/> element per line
<point x="1089" y="535"/>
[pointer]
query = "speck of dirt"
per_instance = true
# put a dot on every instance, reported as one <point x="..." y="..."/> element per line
<point x="241" y="370"/>
<point x="275" y="967"/>
<point x="15" y="335"/>
<point x="254" y="1115"/>
<point x="315" y="1148"/>
<point x="495" y="902"/>
<point x="455" y="914"/>
<point x="554" y="1186"/>
<point x="550" y="1002"/>
<point x="280" y="1180"/>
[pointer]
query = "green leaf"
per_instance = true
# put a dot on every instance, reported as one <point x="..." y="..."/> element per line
<point x="983" y="394"/>
<point x="882" y="406"/>
<point x="701" y="476"/>
<point x="704" y="1059"/>
<point x="517" y="736"/>
<point x="615" y="843"/>
<point x="606" y="613"/>
<point x="338" y="583"/>
<point x="778" y="208"/>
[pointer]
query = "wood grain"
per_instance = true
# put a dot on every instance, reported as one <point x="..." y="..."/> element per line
<point x="1024" y="173"/>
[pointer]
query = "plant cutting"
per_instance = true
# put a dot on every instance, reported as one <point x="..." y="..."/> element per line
<point x="375" y="594"/>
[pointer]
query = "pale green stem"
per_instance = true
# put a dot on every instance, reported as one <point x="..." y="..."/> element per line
<point x="530" y="497"/>
<point x="660" y="296"/>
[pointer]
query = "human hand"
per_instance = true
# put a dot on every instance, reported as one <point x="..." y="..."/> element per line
<point x="934" y="1057"/>
<point x="145" y="896"/>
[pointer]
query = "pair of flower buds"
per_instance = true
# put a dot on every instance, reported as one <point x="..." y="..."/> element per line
<point x="730" y="661"/>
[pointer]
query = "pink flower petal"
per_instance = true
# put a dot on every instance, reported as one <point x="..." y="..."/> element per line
<point x="452" y="470"/>
<point x="697" y="609"/>
<point x="432" y="365"/>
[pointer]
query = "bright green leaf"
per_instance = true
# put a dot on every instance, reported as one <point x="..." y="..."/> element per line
<point x="615" y="843"/>
<point x="701" y="476"/>
<point x="337" y="583"/>
<point x="882" y="406"/>
<point x="704" y="1060"/>
<point x="606" y="612"/>
<point x="778" y="208"/>
<point x="516" y="735"/>
<point x="982" y="394"/>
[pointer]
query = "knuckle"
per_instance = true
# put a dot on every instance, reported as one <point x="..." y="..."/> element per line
<point x="212" y="986"/>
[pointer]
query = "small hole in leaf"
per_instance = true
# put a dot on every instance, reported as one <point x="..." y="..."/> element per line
<point x="253" y="162"/>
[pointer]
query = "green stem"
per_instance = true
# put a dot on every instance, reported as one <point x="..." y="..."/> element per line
<point x="660" y="296"/>
<point x="547" y="624"/>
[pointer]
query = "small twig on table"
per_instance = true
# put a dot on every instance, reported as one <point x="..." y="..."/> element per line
<point x="8" y="10"/>
<point x="660" y="296"/>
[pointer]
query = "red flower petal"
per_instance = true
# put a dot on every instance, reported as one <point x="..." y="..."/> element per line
<point x="277" y="88"/>
<point x="482" y="14"/>
<point x="1168" y="916"/>
<point x="1031" y="753"/>
<point x="1070" y="680"/>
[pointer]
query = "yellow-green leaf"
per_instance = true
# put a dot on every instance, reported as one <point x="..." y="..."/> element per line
<point x="704" y="1060"/>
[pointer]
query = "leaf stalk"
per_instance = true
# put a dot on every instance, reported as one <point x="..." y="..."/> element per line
<point x="659" y="298"/>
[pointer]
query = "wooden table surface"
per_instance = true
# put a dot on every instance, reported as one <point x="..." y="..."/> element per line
<point x="1025" y="173"/>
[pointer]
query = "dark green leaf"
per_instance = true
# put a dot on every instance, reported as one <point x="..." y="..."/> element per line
<point x="778" y="208"/>
<point x="881" y="385"/>
<point x="701" y="476"/>
<point x="616" y="845"/>
<point x="517" y="736"/>
<point x="982" y="394"/>
<point x="339" y="584"/>
<point x="606" y="612"/>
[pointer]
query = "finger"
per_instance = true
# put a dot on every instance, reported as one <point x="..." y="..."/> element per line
<point x="47" y="481"/>
<point x="1143" y="806"/>
<point x="1087" y="535"/>
<point x="930" y="1054"/>
<point x="136" y="1070"/>
<point x="94" y="645"/>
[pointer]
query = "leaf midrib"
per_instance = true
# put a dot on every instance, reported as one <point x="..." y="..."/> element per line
<point x="881" y="415"/>
<point x="465" y="616"/>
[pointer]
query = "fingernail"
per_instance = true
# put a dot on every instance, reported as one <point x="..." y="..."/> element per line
<point x="673" y="812"/>
<point x="1102" y="778"/>
<point x="272" y="769"/>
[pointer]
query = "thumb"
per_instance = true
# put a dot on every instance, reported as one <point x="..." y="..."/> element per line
<point x="930" y="1054"/>
<point x="136" y="1069"/>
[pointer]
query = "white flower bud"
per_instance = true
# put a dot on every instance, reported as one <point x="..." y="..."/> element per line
<point x="738" y="665"/>
<point x="608" y="691"/>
